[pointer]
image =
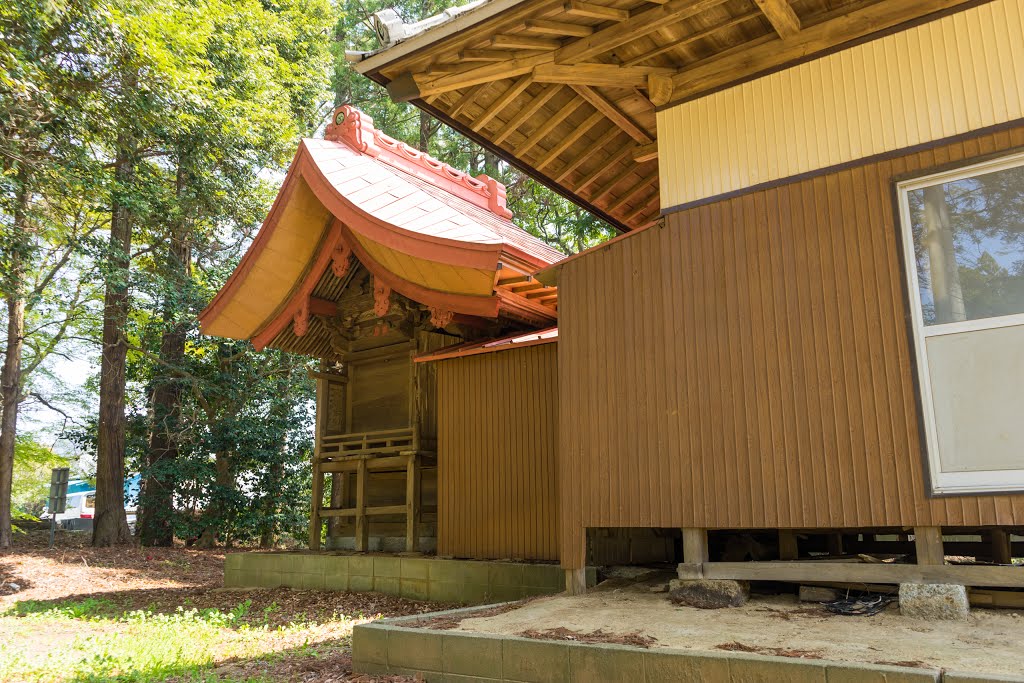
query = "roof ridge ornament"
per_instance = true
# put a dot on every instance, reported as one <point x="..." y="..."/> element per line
<point x="355" y="128"/>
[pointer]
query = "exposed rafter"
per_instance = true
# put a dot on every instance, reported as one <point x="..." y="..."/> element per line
<point x="519" y="119"/>
<point x="614" y="114"/>
<point x="781" y="16"/>
<point x="567" y="141"/>
<point x="500" y="102"/>
<point x="636" y="26"/>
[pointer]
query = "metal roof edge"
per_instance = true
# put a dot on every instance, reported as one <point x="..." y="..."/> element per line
<point x="461" y="22"/>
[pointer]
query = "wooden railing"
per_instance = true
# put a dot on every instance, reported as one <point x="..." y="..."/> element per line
<point x="384" y="442"/>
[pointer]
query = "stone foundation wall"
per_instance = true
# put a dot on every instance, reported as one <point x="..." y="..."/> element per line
<point x="461" y="581"/>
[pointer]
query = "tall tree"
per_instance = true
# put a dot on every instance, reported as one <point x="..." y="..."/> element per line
<point x="45" y="85"/>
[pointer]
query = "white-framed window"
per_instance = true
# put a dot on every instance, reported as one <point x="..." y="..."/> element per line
<point x="963" y="243"/>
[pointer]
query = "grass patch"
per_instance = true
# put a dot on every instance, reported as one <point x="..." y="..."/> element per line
<point x="92" y="640"/>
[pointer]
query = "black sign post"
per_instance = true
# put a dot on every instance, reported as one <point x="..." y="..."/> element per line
<point x="58" y="497"/>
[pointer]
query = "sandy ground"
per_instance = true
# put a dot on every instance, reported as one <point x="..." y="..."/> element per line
<point x="992" y="641"/>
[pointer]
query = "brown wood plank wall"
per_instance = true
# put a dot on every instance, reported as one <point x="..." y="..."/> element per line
<point x="747" y="366"/>
<point x="497" y="479"/>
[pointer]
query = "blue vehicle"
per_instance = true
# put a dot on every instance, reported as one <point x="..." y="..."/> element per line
<point x="81" y="504"/>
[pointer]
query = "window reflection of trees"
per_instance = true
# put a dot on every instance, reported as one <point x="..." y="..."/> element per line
<point x="969" y="246"/>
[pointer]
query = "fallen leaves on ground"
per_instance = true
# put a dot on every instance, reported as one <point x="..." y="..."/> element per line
<point x="598" y="636"/>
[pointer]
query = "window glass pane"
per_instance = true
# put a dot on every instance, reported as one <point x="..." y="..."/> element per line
<point x="969" y="246"/>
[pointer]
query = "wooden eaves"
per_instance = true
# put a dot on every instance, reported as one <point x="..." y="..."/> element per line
<point x="568" y="90"/>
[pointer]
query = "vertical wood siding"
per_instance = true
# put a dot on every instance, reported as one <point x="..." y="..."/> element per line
<point x="959" y="73"/>
<point x="497" y="479"/>
<point x="748" y="365"/>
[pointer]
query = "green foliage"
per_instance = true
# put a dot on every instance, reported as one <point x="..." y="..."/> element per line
<point x="32" y="465"/>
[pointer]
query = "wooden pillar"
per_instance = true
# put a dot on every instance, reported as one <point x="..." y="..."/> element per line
<point x="339" y="500"/>
<point x="576" y="581"/>
<point x="412" y="504"/>
<point x="362" y="523"/>
<point x="1002" y="551"/>
<point x="314" y="511"/>
<point x="928" y="543"/>
<point x="695" y="545"/>
<point x="835" y="544"/>
<point x="789" y="548"/>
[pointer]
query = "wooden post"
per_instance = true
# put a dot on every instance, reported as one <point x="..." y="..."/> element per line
<point x="1002" y="551"/>
<point x="338" y="500"/>
<point x="835" y="544"/>
<point x="362" y="524"/>
<point x="314" y="512"/>
<point x="789" y="548"/>
<point x="928" y="542"/>
<point x="695" y="546"/>
<point x="576" y="581"/>
<point x="412" y="504"/>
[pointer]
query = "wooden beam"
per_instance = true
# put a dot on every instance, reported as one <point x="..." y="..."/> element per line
<point x="659" y="89"/>
<point x="643" y="207"/>
<point x="781" y="16"/>
<point x="695" y="545"/>
<point x="504" y="41"/>
<point x="603" y="140"/>
<point x="412" y="503"/>
<point x="692" y="38"/>
<point x="601" y="75"/>
<point x="558" y="28"/>
<point x="1002" y="550"/>
<point x="611" y="184"/>
<point x="566" y="142"/>
<point x="487" y="73"/>
<point x="645" y="152"/>
<point x="788" y="546"/>
<point x="614" y="114"/>
<point x="604" y="166"/>
<point x="590" y="10"/>
<point x="501" y="101"/>
<point x="542" y="131"/>
<point x="528" y="111"/>
<point x="467" y="99"/>
<point x="804" y="571"/>
<point x="362" y="523"/>
<point x="486" y="55"/>
<point x="633" y="191"/>
<point x="928" y="543"/>
<point x="636" y="26"/>
<point x="576" y="581"/>
<point x="741" y="64"/>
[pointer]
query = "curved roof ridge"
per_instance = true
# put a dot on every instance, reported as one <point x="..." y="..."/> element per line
<point x="355" y="128"/>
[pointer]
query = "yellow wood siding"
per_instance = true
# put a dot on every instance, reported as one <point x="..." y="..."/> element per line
<point x="953" y="75"/>
<point x="748" y="366"/>
<point x="497" y="484"/>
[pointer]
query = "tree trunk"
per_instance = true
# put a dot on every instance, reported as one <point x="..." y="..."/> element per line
<point x="156" y="504"/>
<point x="423" y="144"/>
<point x="10" y="376"/>
<point x="278" y="418"/>
<point x="491" y="164"/>
<point x="110" y="526"/>
<point x="225" y="480"/>
<point x="10" y="383"/>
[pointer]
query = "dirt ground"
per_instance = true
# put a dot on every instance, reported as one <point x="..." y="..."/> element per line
<point x="162" y="580"/>
<point x="991" y="642"/>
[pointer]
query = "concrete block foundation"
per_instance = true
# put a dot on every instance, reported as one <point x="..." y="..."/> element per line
<point x="467" y="582"/>
<point x="389" y="646"/>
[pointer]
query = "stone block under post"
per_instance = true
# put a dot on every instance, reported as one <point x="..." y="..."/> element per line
<point x="934" y="601"/>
